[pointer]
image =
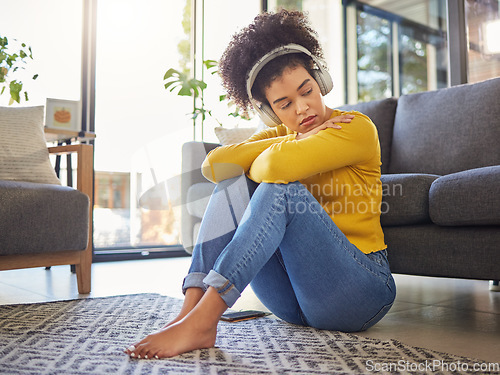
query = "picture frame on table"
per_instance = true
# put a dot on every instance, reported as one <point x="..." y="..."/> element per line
<point x="63" y="114"/>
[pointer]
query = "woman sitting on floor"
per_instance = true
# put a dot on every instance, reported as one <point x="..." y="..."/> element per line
<point x="296" y="210"/>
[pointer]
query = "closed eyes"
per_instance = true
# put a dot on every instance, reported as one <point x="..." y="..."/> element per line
<point x="287" y="104"/>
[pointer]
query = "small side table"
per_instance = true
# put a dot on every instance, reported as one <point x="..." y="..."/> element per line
<point x="58" y="135"/>
<point x="64" y="136"/>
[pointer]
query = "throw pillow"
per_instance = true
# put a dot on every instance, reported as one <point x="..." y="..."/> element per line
<point x="23" y="150"/>
<point x="235" y="135"/>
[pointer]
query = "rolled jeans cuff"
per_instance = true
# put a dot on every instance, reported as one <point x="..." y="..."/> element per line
<point x="194" y="280"/>
<point x="224" y="287"/>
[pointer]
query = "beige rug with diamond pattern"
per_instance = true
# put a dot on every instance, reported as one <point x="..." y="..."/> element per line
<point x="87" y="336"/>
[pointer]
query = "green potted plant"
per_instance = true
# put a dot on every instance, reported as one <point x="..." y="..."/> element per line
<point x="10" y="63"/>
<point x="191" y="87"/>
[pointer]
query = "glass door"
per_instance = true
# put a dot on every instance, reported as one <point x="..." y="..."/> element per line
<point x="140" y="126"/>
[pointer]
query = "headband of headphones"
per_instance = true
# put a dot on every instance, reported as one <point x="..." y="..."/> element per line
<point x="320" y="74"/>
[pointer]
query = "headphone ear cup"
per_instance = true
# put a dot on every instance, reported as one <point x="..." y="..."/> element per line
<point x="324" y="80"/>
<point x="268" y="116"/>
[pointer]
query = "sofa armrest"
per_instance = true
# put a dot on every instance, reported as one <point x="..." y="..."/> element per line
<point x="405" y="198"/>
<point x="466" y="198"/>
<point x="193" y="155"/>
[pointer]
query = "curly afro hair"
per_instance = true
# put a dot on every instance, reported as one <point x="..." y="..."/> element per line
<point x="267" y="32"/>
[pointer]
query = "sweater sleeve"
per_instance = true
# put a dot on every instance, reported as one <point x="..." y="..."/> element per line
<point x="329" y="149"/>
<point x="233" y="160"/>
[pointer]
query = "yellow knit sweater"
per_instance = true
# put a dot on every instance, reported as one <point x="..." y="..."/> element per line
<point x="340" y="167"/>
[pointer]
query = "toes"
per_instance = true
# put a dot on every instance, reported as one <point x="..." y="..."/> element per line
<point x="139" y="350"/>
<point x="130" y="349"/>
<point x="142" y="351"/>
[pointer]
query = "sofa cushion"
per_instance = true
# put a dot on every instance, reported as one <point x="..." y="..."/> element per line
<point x="23" y="150"/>
<point x="405" y="199"/>
<point x="37" y="218"/>
<point x="466" y="198"/>
<point x="448" y="130"/>
<point x="198" y="196"/>
<point x="382" y="113"/>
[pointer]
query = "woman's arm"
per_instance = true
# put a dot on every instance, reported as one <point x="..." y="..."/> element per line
<point x="327" y="150"/>
<point x="233" y="160"/>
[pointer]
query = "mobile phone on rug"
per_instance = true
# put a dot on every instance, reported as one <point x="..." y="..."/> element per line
<point x="238" y="316"/>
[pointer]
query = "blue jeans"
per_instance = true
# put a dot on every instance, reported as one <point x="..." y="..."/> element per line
<point x="300" y="265"/>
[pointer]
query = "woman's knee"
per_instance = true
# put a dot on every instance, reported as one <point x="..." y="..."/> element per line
<point x="291" y="189"/>
<point x="225" y="184"/>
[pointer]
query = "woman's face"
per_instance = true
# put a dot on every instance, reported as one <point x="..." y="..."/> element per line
<point x="296" y="99"/>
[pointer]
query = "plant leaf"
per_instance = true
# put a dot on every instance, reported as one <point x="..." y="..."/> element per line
<point x="15" y="89"/>
<point x="185" y="90"/>
<point x="173" y="73"/>
<point x="211" y="66"/>
<point x="168" y="84"/>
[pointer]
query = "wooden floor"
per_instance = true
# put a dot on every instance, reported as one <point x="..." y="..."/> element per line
<point x="455" y="316"/>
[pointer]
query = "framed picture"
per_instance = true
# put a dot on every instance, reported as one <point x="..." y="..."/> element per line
<point x="63" y="114"/>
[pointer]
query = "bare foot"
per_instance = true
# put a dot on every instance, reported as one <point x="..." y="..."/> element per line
<point x="192" y="297"/>
<point x="196" y="330"/>
<point x="177" y="338"/>
<point x="178" y="318"/>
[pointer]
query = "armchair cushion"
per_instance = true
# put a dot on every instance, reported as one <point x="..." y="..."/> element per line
<point x="405" y="198"/>
<point x="466" y="198"/>
<point x="23" y="150"/>
<point x="39" y="218"/>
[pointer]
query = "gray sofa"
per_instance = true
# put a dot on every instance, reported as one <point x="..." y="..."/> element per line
<point x="440" y="175"/>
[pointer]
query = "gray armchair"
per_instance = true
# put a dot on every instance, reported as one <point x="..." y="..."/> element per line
<point x="43" y="225"/>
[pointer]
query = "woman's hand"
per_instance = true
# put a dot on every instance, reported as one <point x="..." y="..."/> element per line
<point x="330" y="123"/>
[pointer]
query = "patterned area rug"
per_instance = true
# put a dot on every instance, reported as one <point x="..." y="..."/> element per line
<point x="87" y="336"/>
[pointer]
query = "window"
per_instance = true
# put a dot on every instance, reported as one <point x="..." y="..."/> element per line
<point x="374" y="63"/>
<point x="397" y="48"/>
<point x="483" y="28"/>
<point x="140" y="127"/>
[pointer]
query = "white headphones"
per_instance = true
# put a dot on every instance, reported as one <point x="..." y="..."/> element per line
<point x="320" y="74"/>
